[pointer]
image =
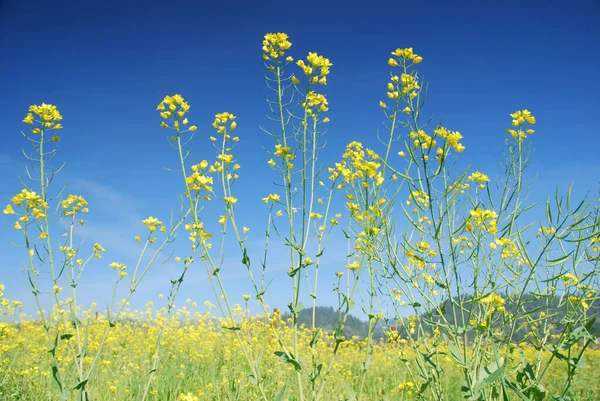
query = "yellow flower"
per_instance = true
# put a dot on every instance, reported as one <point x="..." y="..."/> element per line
<point x="137" y="238"/>
<point x="97" y="249"/>
<point x="17" y="226"/>
<point x="230" y="200"/>
<point x="245" y="230"/>
<point x="8" y="210"/>
<point x="295" y="80"/>
<point x="193" y="128"/>
<point x="152" y="223"/>
<point x="28" y="119"/>
<point x="271" y="197"/>
<point x="479" y="177"/>
<point x="392" y="62"/>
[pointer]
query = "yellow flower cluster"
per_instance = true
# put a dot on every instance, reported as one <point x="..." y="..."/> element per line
<point x="422" y="139"/>
<point x="30" y="199"/>
<point x="198" y="234"/>
<point x="198" y="181"/>
<point x="230" y="200"/>
<point x="32" y="204"/>
<point x="73" y="205"/>
<point x="483" y="218"/>
<point x="173" y="108"/>
<point x="359" y="164"/>
<point x="520" y="118"/>
<point x="152" y="223"/>
<point x="406" y="85"/>
<point x="48" y="117"/>
<point x="547" y="230"/>
<point x="403" y="56"/>
<point x="570" y="279"/>
<point x="222" y="120"/>
<point x="271" y="198"/>
<point x="285" y="152"/>
<point x="420" y="197"/>
<point x="452" y="138"/>
<point x="315" y="103"/>
<point x="316" y="68"/>
<point x="187" y="397"/>
<point x="478" y="177"/>
<point x="510" y="250"/>
<point x="275" y="45"/>
<point x="97" y="249"/>
<point x="496" y="303"/>
<point x="120" y="268"/>
<point x="579" y="301"/>
<point x="7" y="307"/>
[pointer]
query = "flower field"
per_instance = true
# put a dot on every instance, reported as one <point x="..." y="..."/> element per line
<point x="202" y="362"/>
<point x="467" y="289"/>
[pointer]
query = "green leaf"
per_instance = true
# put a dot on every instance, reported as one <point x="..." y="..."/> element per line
<point x="245" y="258"/>
<point x="315" y="338"/>
<point x="81" y="385"/>
<point x="232" y="328"/>
<point x="490" y="374"/>
<point x="288" y="358"/>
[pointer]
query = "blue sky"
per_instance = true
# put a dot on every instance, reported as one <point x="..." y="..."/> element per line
<point x="107" y="65"/>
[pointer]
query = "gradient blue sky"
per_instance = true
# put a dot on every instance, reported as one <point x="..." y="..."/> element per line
<point x="107" y="64"/>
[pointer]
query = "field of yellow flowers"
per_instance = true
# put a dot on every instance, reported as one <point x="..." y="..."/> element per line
<point x="202" y="361"/>
<point x="474" y="302"/>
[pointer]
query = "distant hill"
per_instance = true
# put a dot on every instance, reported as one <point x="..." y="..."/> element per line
<point x="327" y="318"/>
